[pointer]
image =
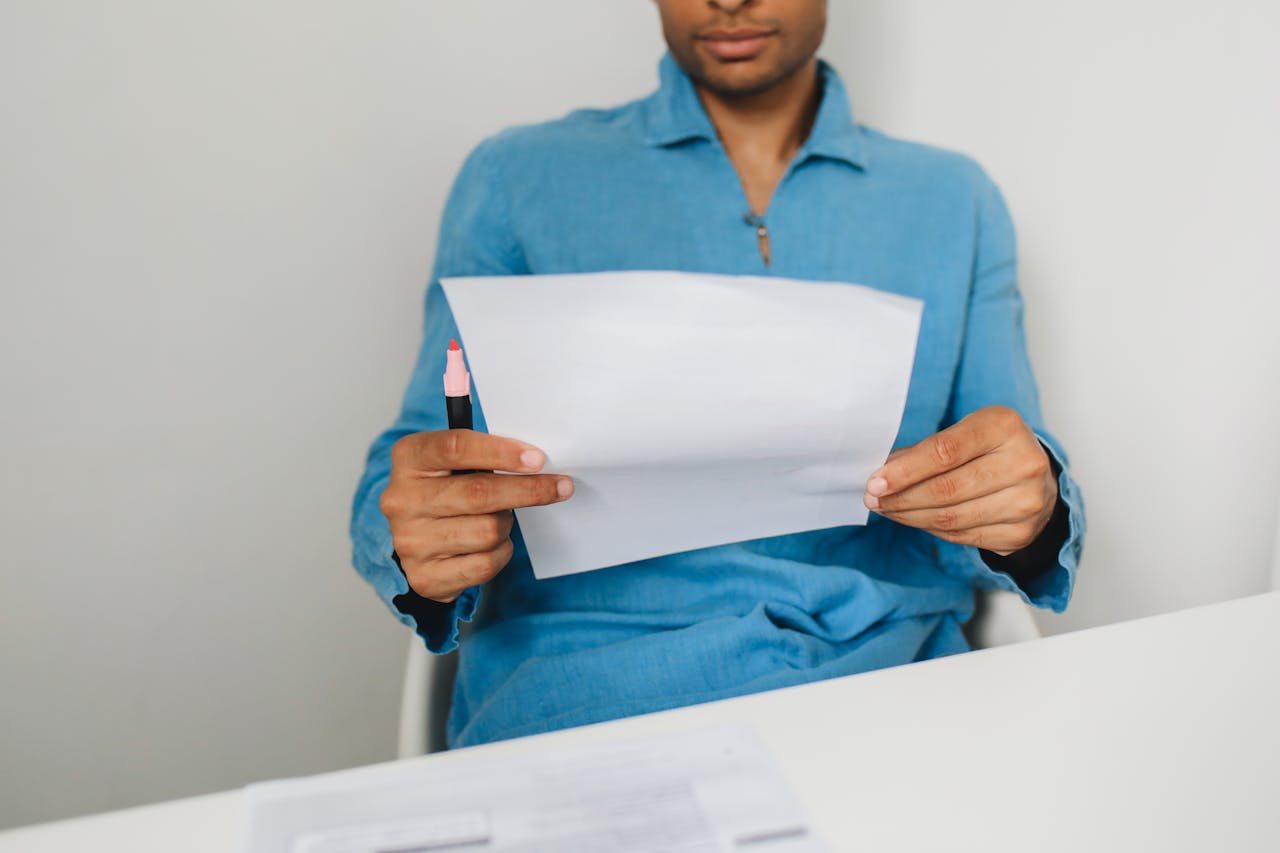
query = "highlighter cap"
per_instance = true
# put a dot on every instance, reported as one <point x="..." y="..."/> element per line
<point x="457" y="381"/>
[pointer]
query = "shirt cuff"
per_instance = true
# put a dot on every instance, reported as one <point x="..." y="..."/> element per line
<point x="1027" y="564"/>
<point x="1042" y="574"/>
<point x="438" y="623"/>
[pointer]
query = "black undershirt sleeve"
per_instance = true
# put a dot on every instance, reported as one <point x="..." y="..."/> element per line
<point x="427" y="613"/>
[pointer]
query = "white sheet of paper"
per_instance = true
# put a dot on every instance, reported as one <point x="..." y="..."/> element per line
<point x="691" y="410"/>
<point x="701" y="791"/>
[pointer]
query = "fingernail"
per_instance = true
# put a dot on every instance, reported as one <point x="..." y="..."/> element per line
<point x="532" y="459"/>
<point x="871" y="501"/>
<point x="877" y="486"/>
<point x="564" y="487"/>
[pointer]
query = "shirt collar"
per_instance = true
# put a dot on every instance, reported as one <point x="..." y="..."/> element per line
<point x="675" y="115"/>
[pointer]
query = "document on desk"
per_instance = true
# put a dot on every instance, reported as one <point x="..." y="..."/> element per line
<point x="691" y="410"/>
<point x="703" y="791"/>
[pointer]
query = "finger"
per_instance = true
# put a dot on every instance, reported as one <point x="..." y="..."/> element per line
<point x="433" y="538"/>
<point x="1003" y="539"/>
<point x="479" y="494"/>
<point x="973" y="436"/>
<point x="444" y="580"/>
<point x="1008" y="506"/>
<point x="983" y="476"/>
<point x="465" y="450"/>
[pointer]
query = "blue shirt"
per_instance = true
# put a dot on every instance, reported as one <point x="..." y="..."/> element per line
<point x="648" y="186"/>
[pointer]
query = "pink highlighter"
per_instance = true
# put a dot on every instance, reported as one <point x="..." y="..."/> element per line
<point x="457" y="391"/>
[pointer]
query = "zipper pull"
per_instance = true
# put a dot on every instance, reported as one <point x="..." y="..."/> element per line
<point x="762" y="235"/>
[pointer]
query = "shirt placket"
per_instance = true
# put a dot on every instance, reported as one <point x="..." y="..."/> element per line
<point x="759" y="222"/>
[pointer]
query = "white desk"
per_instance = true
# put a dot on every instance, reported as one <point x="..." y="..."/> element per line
<point x="1161" y="734"/>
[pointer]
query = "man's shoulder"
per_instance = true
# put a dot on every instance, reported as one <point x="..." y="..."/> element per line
<point x="927" y="166"/>
<point x="581" y="133"/>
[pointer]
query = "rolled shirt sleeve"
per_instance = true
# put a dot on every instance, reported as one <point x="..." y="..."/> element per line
<point x="995" y="370"/>
<point x="475" y="239"/>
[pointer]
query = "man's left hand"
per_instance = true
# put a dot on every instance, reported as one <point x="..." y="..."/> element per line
<point x="985" y="482"/>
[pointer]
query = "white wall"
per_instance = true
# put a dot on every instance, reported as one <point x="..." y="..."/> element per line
<point x="216" y="221"/>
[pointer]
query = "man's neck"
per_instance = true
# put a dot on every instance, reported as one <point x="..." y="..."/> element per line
<point x="762" y="133"/>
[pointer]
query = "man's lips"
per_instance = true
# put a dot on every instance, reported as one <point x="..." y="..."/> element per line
<point x="736" y="43"/>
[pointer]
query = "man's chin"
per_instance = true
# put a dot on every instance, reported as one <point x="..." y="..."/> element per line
<point x="740" y="79"/>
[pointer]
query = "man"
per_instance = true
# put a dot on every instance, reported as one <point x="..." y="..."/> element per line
<point x="745" y="161"/>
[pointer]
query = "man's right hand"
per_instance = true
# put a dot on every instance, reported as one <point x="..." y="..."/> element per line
<point x="452" y="533"/>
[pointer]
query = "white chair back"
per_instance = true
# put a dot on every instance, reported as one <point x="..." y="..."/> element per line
<point x="424" y="702"/>
<point x="1001" y="619"/>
